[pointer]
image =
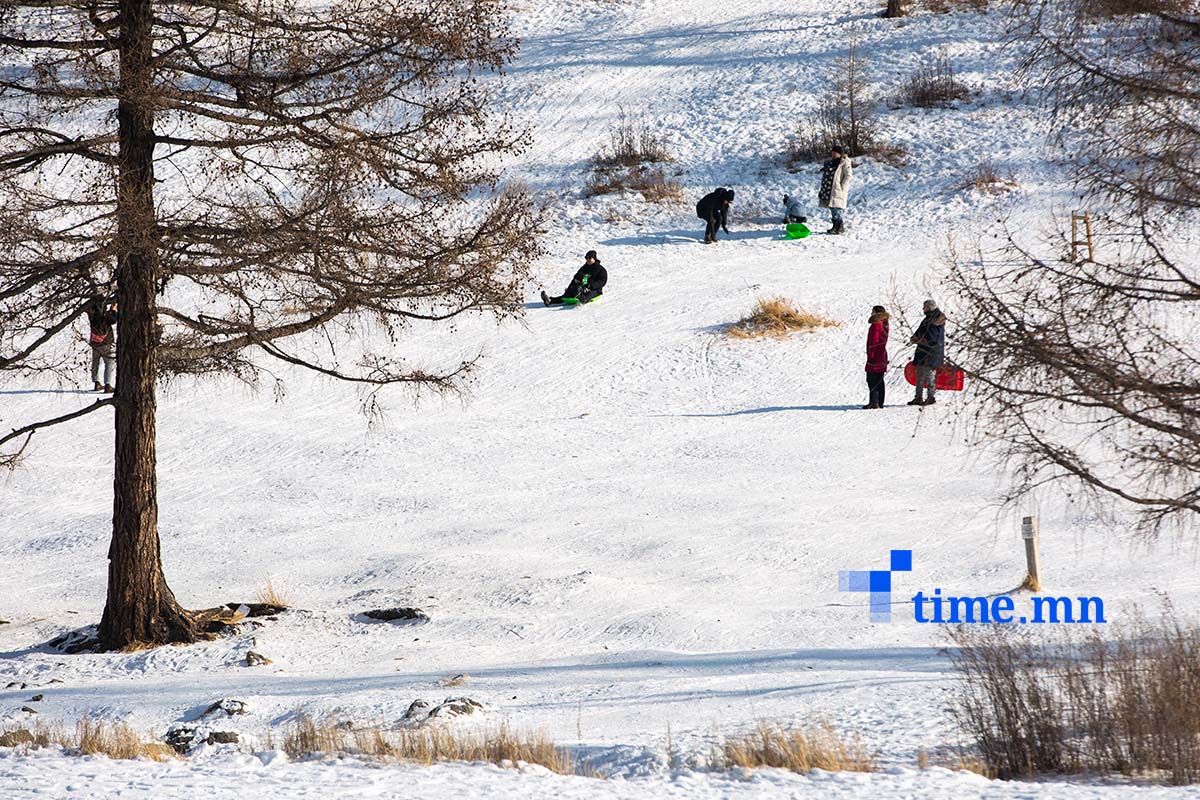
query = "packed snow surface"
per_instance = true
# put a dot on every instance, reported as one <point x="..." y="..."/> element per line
<point x="628" y="533"/>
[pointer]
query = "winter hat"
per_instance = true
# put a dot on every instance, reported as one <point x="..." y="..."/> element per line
<point x="878" y="310"/>
<point x="591" y="254"/>
<point x="837" y="148"/>
<point x="929" y="305"/>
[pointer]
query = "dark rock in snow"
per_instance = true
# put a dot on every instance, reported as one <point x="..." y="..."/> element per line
<point x="402" y="615"/>
<point x="15" y="685"/>
<point x="28" y="709"/>
<point x="257" y="609"/>
<point x="230" y="707"/>
<point x="417" y="708"/>
<point x="182" y="738"/>
<point x="37" y="698"/>
<point x="456" y="707"/>
<point x="222" y="737"/>
<point x="254" y="659"/>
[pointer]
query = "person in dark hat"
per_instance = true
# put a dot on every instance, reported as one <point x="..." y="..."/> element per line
<point x="835" y="187"/>
<point x="588" y="283"/>
<point x="713" y="208"/>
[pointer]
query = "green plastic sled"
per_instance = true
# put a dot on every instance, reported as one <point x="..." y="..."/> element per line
<point x="574" y="301"/>
<point x="797" y="230"/>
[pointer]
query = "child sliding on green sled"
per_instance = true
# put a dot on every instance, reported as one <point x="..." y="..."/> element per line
<point x="587" y="285"/>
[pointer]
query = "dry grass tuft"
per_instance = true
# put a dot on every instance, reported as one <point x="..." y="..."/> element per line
<point x="986" y="179"/>
<point x="90" y="737"/>
<point x="271" y="596"/>
<point x="501" y="746"/>
<point x="117" y="740"/>
<point x="777" y="316"/>
<point x="934" y="84"/>
<point x="31" y="738"/>
<point x="956" y="760"/>
<point x="798" y="750"/>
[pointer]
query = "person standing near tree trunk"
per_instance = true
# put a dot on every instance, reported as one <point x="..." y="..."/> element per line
<point x="930" y="340"/>
<point x="102" y="317"/>
<point x="835" y="187"/>
<point x="877" y="356"/>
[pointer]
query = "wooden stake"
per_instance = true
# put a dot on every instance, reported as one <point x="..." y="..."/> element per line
<point x="1076" y="242"/>
<point x="1029" y="532"/>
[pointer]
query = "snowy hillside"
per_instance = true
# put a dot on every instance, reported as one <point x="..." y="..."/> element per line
<point x="629" y="532"/>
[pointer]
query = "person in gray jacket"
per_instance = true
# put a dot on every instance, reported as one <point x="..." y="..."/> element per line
<point x="930" y="340"/>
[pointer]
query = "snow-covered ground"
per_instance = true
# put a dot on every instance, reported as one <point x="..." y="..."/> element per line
<point x="629" y="532"/>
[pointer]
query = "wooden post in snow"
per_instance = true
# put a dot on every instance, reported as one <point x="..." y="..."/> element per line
<point x="1029" y="532"/>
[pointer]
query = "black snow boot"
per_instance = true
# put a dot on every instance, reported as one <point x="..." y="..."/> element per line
<point x="545" y="297"/>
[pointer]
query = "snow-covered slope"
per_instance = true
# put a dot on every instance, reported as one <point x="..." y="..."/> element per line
<point x="632" y="527"/>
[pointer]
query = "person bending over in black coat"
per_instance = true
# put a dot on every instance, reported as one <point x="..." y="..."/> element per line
<point x="713" y="208"/>
<point x="588" y="283"/>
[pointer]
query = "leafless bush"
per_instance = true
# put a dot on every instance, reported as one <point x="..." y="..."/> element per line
<point x="632" y="142"/>
<point x="846" y="115"/>
<point x="776" y="317"/>
<point x="799" y="750"/>
<point x="1086" y="363"/>
<point x="984" y="178"/>
<point x="933" y="84"/>
<point x="653" y="183"/>
<point x="1127" y="703"/>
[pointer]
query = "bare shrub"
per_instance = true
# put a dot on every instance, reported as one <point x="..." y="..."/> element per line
<point x="933" y="84"/>
<point x="984" y="178"/>
<point x="776" y="317"/>
<point x="269" y="595"/>
<point x="428" y="745"/>
<point x="846" y="115"/>
<point x="1128" y="703"/>
<point x="631" y="142"/>
<point x="653" y="183"/>
<point x="798" y="750"/>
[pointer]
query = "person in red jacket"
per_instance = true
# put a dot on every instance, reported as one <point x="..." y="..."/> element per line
<point x="877" y="355"/>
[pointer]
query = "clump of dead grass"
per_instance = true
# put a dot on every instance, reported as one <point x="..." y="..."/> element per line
<point x="269" y="595"/>
<point x="796" y="749"/>
<point x="502" y="746"/>
<point x="777" y="316"/>
<point x="90" y="737"/>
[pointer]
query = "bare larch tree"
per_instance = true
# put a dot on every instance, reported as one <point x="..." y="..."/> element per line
<point x="240" y="172"/>
<point x="1090" y="369"/>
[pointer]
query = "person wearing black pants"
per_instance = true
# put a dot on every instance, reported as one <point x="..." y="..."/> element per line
<point x="877" y="356"/>
<point x="713" y="208"/>
<point x="588" y="283"/>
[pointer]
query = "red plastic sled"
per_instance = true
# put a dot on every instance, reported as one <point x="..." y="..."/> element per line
<point x="949" y="379"/>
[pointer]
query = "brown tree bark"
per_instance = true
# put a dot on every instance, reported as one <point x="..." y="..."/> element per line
<point x="141" y="609"/>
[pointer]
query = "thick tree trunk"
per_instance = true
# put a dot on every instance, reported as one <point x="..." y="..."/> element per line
<point x="895" y="8"/>
<point x="141" y="610"/>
